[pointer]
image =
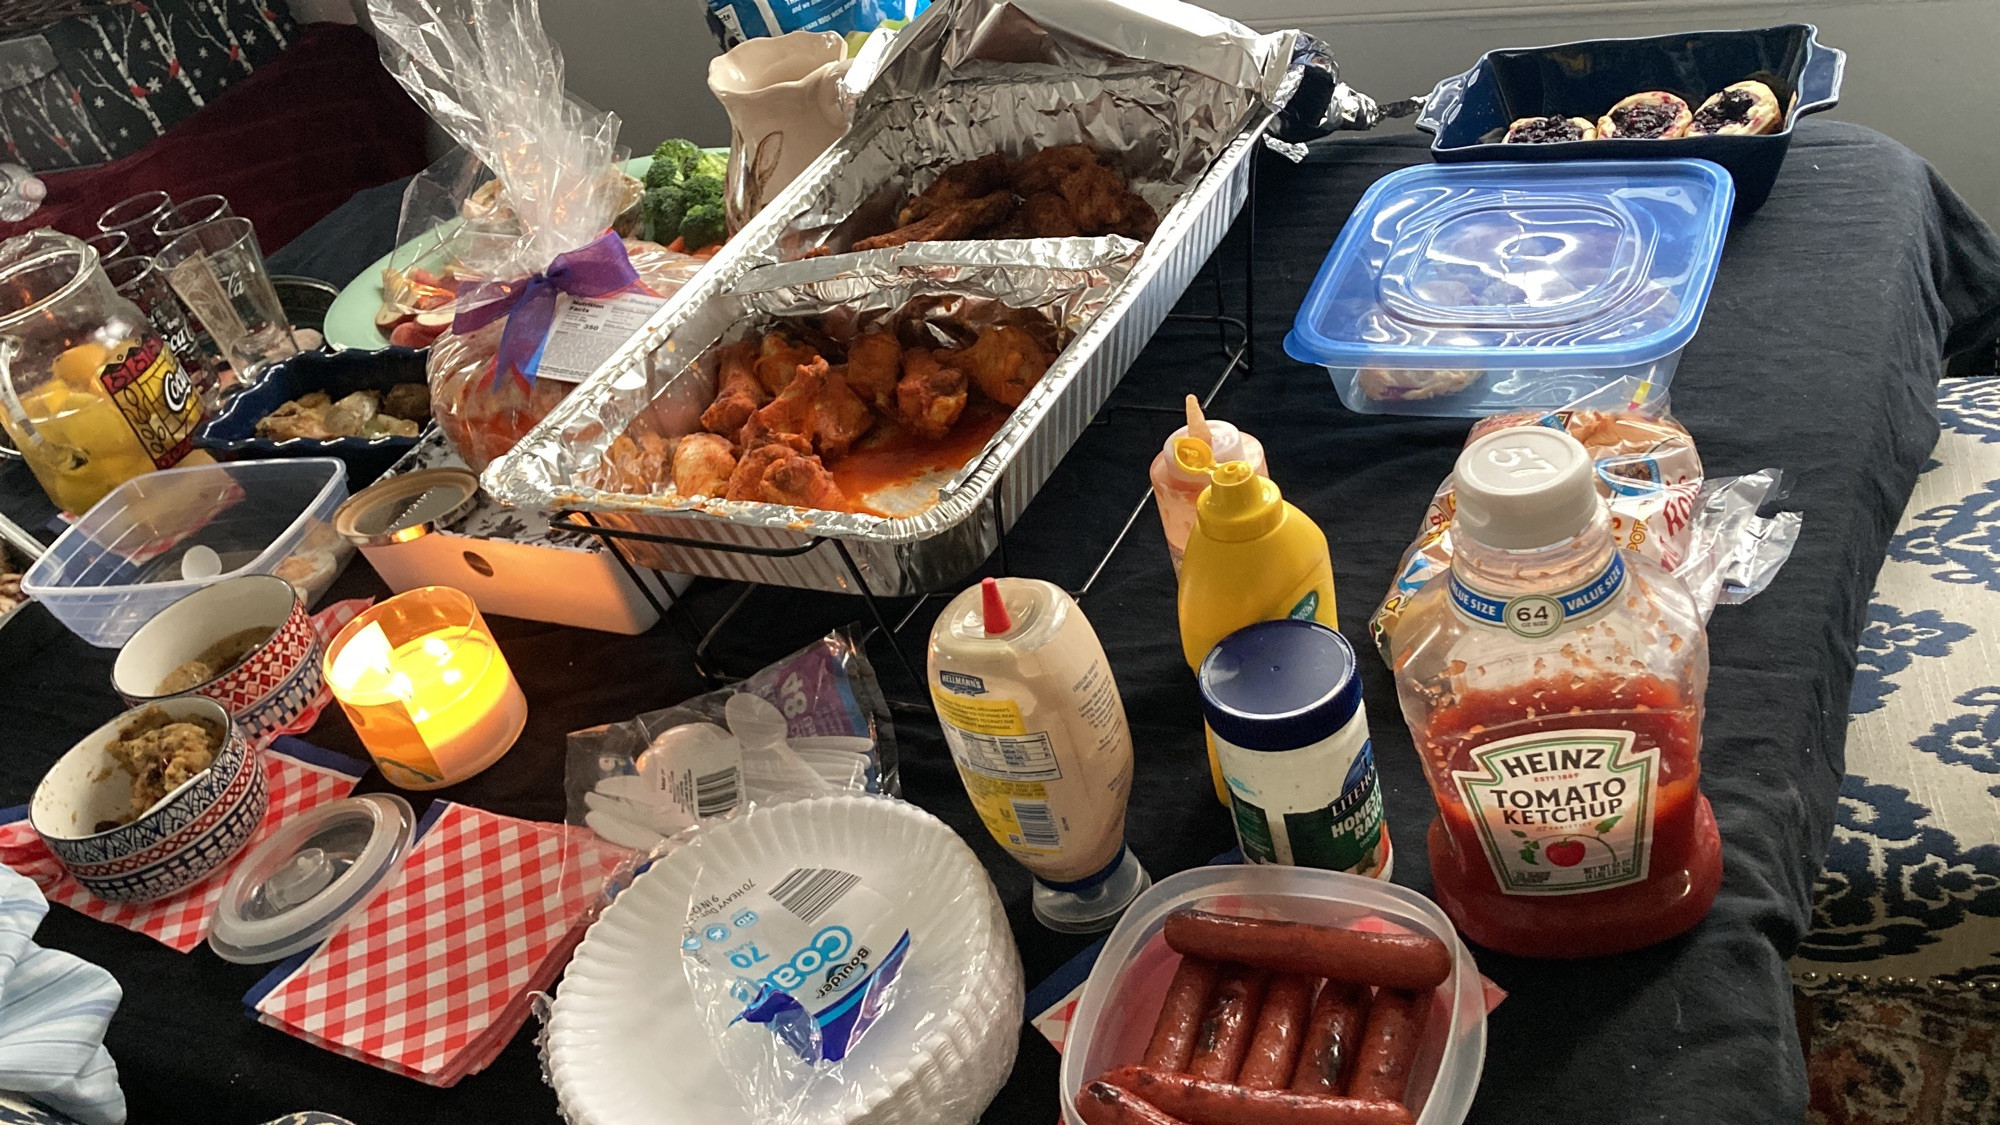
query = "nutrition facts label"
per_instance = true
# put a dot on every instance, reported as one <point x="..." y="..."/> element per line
<point x="588" y="329"/>
<point x="1014" y="757"/>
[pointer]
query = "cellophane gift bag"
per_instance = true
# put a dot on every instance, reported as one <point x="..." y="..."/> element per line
<point x="512" y="233"/>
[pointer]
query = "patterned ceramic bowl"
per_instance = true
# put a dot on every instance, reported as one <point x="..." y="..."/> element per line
<point x="275" y="690"/>
<point x="178" y="842"/>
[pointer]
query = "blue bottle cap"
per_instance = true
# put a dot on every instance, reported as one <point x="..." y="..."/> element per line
<point x="1279" y="685"/>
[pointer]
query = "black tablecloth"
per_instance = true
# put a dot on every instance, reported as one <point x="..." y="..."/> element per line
<point x="1819" y="353"/>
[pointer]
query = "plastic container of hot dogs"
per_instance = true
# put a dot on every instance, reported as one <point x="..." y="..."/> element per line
<point x="1121" y="1002"/>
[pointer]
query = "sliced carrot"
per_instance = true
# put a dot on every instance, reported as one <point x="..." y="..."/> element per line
<point x="708" y="251"/>
<point x="677" y="245"/>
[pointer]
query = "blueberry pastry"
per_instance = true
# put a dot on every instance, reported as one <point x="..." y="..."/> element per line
<point x="1550" y="130"/>
<point x="1742" y="109"/>
<point x="1654" y="115"/>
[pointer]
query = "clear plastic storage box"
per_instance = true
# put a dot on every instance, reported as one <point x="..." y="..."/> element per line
<point x="1485" y="288"/>
<point x="141" y="548"/>
<point x="1121" y="1001"/>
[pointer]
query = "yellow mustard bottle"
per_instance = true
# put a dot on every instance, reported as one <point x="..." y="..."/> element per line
<point x="1252" y="557"/>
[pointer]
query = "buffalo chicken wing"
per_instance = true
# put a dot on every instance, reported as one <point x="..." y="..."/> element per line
<point x="703" y="464"/>
<point x="931" y="395"/>
<point x="1005" y="363"/>
<point x="739" y="394"/>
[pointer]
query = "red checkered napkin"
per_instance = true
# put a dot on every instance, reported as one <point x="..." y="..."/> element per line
<point x="435" y="978"/>
<point x="300" y="776"/>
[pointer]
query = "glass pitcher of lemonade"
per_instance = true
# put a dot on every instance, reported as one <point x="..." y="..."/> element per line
<point x="89" y="393"/>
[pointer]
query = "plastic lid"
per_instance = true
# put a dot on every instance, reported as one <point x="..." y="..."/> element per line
<point x="296" y="888"/>
<point x="1224" y="442"/>
<point x="1577" y="264"/>
<point x="1279" y="685"/>
<point x="400" y="508"/>
<point x="1523" y="488"/>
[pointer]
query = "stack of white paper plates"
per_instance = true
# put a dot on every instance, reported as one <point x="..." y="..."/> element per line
<point x="626" y="1044"/>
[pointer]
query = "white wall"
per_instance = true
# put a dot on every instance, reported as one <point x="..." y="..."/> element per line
<point x="647" y="61"/>
<point x="1926" y="72"/>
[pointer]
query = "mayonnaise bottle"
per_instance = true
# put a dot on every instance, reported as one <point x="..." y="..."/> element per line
<point x="1176" y="489"/>
<point x="1031" y="712"/>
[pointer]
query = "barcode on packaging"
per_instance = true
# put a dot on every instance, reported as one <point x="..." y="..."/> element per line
<point x="1038" y="825"/>
<point x="716" y="793"/>
<point x="809" y="892"/>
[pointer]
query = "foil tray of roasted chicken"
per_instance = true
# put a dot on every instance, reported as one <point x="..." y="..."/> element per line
<point x="1028" y="187"/>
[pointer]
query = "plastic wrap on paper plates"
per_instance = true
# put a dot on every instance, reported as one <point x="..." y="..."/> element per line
<point x="840" y="959"/>
<point x="1178" y="96"/>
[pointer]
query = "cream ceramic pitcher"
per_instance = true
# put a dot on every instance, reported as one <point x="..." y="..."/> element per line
<point x="783" y="98"/>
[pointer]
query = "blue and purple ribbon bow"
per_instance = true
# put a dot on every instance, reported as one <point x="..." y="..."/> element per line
<point x="596" y="270"/>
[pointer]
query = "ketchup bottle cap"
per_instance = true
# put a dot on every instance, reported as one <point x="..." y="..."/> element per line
<point x="1523" y="488"/>
<point x="993" y="608"/>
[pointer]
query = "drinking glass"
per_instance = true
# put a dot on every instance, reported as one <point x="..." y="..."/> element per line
<point x="218" y="270"/>
<point x="188" y="214"/>
<point x="135" y="216"/>
<point x="110" y="246"/>
<point x="140" y="281"/>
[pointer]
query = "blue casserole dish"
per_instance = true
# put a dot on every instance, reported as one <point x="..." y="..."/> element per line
<point x="1469" y="113"/>
<point x="232" y="434"/>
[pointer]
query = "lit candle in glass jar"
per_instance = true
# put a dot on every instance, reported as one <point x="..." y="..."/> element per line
<point x="426" y="687"/>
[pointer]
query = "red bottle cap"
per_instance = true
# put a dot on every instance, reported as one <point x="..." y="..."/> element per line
<point x="993" y="610"/>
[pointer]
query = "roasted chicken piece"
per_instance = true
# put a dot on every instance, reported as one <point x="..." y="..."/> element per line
<point x="874" y="364"/>
<point x="1043" y="170"/>
<point x="762" y="447"/>
<point x="958" y="183"/>
<point x="957" y="220"/>
<point x="740" y="394"/>
<point x="839" y="416"/>
<point x="1097" y="196"/>
<point x="703" y="464"/>
<point x="780" y="468"/>
<point x="1005" y="363"/>
<point x="931" y="394"/>
<point x="802" y="482"/>
<point x="778" y="360"/>
<point x="792" y="411"/>
<point x="1046" y="214"/>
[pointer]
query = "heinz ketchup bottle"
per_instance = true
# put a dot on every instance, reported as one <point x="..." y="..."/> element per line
<point x="1553" y="684"/>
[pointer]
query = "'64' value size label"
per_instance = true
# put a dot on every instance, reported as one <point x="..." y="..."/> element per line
<point x="1563" y="812"/>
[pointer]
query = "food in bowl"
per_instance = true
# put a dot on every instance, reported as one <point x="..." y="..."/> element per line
<point x="1397" y="384"/>
<point x="1267" y="1019"/>
<point x="1550" y="130"/>
<point x="400" y="412"/>
<point x="11" y="596"/>
<point x="214" y="660"/>
<point x="1652" y="115"/>
<point x="159" y="753"/>
<point x="1740" y="109"/>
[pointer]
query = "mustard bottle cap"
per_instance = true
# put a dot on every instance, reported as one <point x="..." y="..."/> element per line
<point x="1238" y="504"/>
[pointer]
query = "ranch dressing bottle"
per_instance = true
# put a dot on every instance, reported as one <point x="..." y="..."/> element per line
<point x="1036" y="727"/>
<point x="1284" y="702"/>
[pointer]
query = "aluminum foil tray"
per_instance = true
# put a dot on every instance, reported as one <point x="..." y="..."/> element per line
<point x="894" y="557"/>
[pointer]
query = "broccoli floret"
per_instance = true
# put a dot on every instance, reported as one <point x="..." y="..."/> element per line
<point x="702" y="189"/>
<point x="712" y="164"/>
<point x="664" y="208"/>
<point x="703" y="226"/>
<point x="683" y="155"/>
<point x="671" y="161"/>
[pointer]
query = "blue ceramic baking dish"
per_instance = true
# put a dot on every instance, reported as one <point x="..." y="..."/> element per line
<point x="1469" y="113"/>
<point x="232" y="434"/>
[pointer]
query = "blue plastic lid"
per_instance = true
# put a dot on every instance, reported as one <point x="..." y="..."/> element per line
<point x="1279" y="685"/>
<point x="1593" y="263"/>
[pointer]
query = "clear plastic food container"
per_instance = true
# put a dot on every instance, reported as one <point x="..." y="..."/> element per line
<point x="159" y="537"/>
<point x="1475" y="289"/>
<point x="1121" y="1000"/>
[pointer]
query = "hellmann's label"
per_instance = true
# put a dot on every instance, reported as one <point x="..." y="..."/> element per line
<point x="1563" y="812"/>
